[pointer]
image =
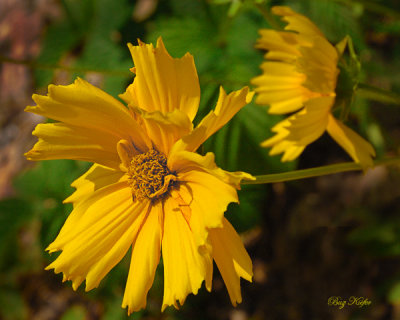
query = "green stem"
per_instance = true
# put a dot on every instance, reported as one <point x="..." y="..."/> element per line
<point x="268" y="16"/>
<point x="36" y="65"/>
<point x="377" y="94"/>
<point x="373" y="7"/>
<point x="316" y="172"/>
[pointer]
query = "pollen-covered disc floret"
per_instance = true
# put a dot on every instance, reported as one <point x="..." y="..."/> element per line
<point x="149" y="176"/>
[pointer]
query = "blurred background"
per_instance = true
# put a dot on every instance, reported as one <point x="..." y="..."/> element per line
<point x="333" y="236"/>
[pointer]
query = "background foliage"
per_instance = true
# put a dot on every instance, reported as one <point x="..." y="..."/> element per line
<point x="309" y="240"/>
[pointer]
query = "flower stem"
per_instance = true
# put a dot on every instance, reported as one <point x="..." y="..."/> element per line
<point x="377" y="94"/>
<point x="373" y="6"/>
<point x="268" y="16"/>
<point x="316" y="172"/>
<point x="36" y="65"/>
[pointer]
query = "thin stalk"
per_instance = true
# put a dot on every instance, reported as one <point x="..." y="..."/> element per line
<point x="316" y="172"/>
<point x="374" y="7"/>
<point x="377" y="94"/>
<point x="36" y="65"/>
<point x="268" y="16"/>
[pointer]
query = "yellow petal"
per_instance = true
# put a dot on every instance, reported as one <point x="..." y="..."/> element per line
<point x="310" y="123"/>
<point x="163" y="83"/>
<point x="164" y="129"/>
<point x="231" y="258"/>
<point x="63" y="141"/>
<point x="227" y="107"/>
<point x="282" y="70"/>
<point x="95" y="178"/>
<point x="290" y="149"/>
<point x="116" y="193"/>
<point x="206" y="198"/>
<point x="145" y="257"/>
<point x="299" y="130"/>
<point x="184" y="161"/>
<point x="185" y="265"/>
<point x="283" y="46"/>
<point x="319" y="63"/>
<point x="296" y="21"/>
<point x="123" y="239"/>
<point x="126" y="151"/>
<point x="82" y="105"/>
<point x="357" y="147"/>
<point x="102" y="237"/>
<point x="281" y="133"/>
<point x="282" y="101"/>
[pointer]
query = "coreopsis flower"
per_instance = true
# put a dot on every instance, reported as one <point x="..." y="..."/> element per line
<point x="147" y="188"/>
<point x="299" y="77"/>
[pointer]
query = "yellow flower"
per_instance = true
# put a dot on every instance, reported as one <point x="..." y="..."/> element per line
<point x="147" y="188"/>
<point x="299" y="75"/>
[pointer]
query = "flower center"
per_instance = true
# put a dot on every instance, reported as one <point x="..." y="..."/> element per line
<point x="149" y="176"/>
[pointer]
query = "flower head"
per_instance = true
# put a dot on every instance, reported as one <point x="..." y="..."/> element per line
<point x="299" y="76"/>
<point x="147" y="188"/>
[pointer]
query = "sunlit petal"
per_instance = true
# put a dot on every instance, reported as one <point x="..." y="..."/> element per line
<point x="231" y="258"/>
<point x="163" y="83"/>
<point x="145" y="257"/>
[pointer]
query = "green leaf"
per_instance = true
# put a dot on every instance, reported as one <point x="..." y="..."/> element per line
<point x="59" y="39"/>
<point x="394" y="293"/>
<point x="76" y="312"/>
<point x="188" y="34"/>
<point x="44" y="188"/>
<point x="12" y="305"/>
<point x="78" y="13"/>
<point x="14" y="213"/>
<point x="248" y="213"/>
<point x="49" y="179"/>
<point x="110" y="15"/>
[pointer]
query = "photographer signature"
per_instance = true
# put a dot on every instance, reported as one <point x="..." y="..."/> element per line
<point x="336" y="301"/>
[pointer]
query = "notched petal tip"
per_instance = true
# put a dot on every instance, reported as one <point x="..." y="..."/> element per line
<point x="282" y="11"/>
<point x="140" y="42"/>
<point x="249" y="96"/>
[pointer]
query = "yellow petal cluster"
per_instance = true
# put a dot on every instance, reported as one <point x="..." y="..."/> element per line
<point x="148" y="189"/>
<point x="299" y="76"/>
